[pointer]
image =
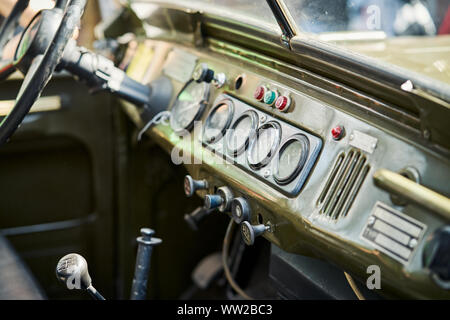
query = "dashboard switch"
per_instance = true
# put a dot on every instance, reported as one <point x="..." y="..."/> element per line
<point x="240" y="210"/>
<point x="191" y="185"/>
<point x="213" y="201"/>
<point x="259" y="93"/>
<point x="221" y="200"/>
<point x="249" y="232"/>
<point x="270" y="97"/>
<point x="283" y="103"/>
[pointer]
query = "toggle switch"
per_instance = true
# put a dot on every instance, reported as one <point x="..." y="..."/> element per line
<point x="240" y="210"/>
<point x="191" y="185"/>
<point x="221" y="200"/>
<point x="250" y="232"/>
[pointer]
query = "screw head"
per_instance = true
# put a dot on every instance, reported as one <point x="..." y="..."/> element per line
<point x="412" y="243"/>
<point x="263" y="118"/>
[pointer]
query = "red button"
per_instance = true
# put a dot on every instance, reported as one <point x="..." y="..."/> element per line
<point x="259" y="93"/>
<point x="282" y="103"/>
<point x="337" y="132"/>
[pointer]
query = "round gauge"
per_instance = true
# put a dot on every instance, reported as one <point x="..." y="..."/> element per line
<point x="263" y="146"/>
<point x="291" y="159"/>
<point x="241" y="132"/>
<point x="218" y="121"/>
<point x="189" y="106"/>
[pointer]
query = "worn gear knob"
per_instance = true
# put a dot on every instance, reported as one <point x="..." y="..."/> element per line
<point x="72" y="270"/>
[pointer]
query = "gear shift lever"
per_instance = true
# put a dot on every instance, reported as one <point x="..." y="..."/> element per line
<point x="72" y="270"/>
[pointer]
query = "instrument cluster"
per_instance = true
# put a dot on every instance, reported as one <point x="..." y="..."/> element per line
<point x="274" y="151"/>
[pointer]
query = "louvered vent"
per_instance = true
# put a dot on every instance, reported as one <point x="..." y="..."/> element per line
<point x="343" y="184"/>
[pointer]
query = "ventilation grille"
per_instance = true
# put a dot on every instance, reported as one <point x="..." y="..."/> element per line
<point x="343" y="184"/>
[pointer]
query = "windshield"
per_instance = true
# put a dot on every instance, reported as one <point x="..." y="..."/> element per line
<point x="413" y="34"/>
<point x="395" y="18"/>
<point x="253" y="12"/>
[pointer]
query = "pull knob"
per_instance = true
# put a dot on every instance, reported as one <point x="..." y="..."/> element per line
<point x="194" y="218"/>
<point x="191" y="185"/>
<point x="213" y="201"/>
<point x="203" y="73"/>
<point x="436" y="256"/>
<point x="249" y="232"/>
<point x="221" y="200"/>
<point x="240" y="210"/>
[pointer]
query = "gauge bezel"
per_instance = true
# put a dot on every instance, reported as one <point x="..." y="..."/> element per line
<point x="202" y="106"/>
<point x="211" y="113"/>
<point x="255" y="121"/>
<point x="273" y="149"/>
<point x="300" y="164"/>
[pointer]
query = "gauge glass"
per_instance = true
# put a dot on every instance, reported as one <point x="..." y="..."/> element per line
<point x="291" y="158"/>
<point x="265" y="145"/>
<point x="189" y="106"/>
<point x="218" y="121"/>
<point x="241" y="132"/>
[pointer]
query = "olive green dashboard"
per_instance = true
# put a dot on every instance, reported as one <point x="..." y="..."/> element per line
<point x="344" y="210"/>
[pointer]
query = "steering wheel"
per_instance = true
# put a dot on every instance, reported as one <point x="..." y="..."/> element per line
<point x="37" y="55"/>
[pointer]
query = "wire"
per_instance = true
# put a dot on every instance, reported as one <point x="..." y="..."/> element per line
<point x="161" y="117"/>
<point x="354" y="287"/>
<point x="225" y="248"/>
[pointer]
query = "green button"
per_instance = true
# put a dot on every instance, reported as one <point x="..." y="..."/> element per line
<point x="270" y="97"/>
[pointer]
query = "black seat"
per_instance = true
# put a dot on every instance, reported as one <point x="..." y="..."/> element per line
<point x="16" y="280"/>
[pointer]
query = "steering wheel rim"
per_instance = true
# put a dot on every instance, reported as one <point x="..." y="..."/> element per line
<point x="41" y="70"/>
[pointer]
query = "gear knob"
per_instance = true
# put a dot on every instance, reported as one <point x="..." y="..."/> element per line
<point x="72" y="270"/>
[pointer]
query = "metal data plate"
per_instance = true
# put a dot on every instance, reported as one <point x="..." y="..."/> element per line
<point x="393" y="232"/>
<point x="266" y="173"/>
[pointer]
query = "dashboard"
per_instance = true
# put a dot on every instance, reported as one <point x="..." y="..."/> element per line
<point x="303" y="167"/>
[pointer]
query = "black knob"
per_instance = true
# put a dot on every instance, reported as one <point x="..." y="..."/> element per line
<point x="194" y="218"/>
<point x="436" y="256"/>
<point x="240" y="210"/>
<point x="203" y="74"/>
<point x="249" y="232"/>
<point x="191" y="185"/>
